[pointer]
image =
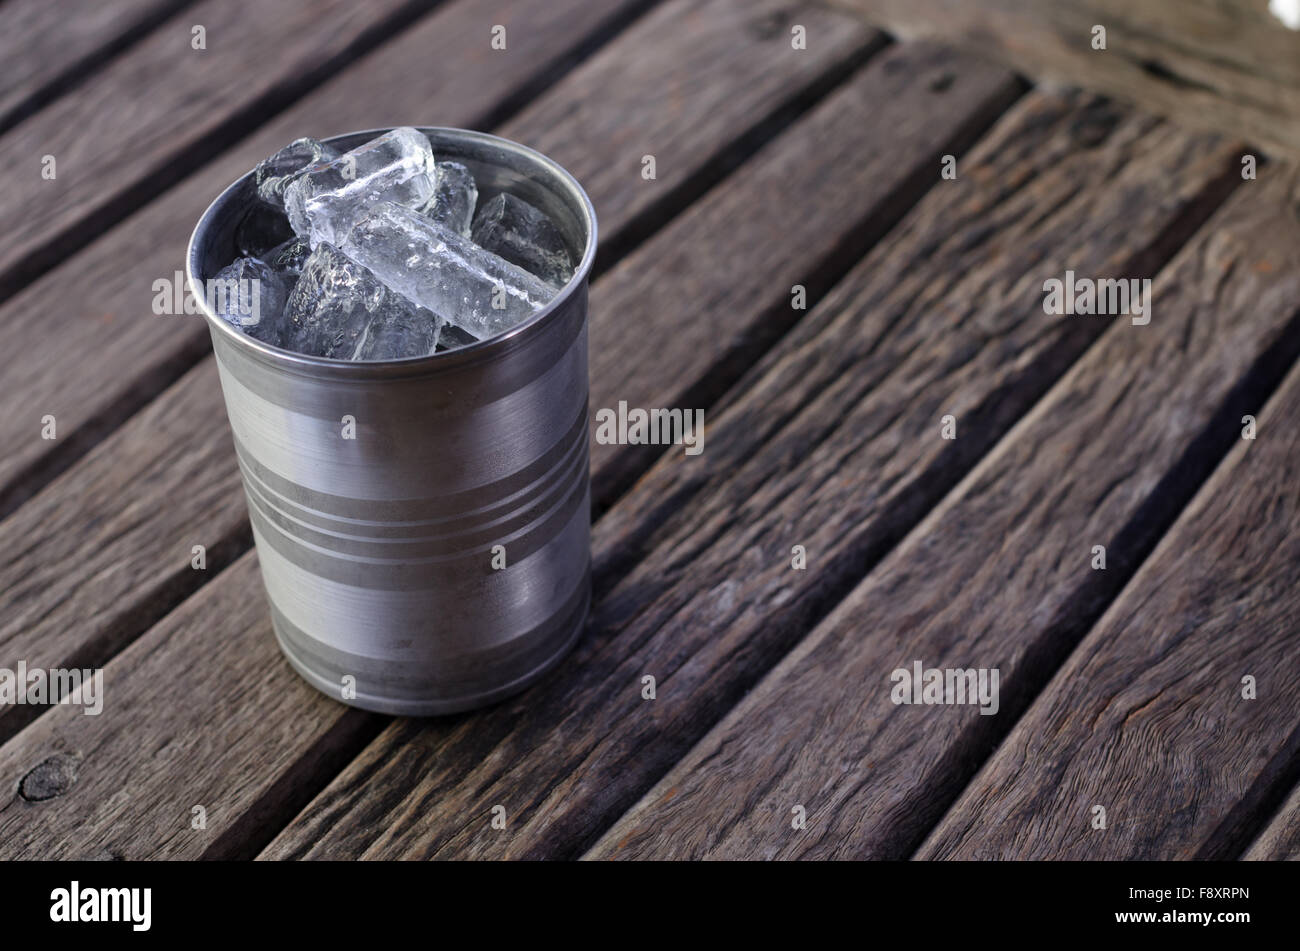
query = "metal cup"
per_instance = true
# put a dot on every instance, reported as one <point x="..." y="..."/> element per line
<point x="380" y="553"/>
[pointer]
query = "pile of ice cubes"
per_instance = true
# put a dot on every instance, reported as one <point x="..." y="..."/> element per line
<point x="381" y="253"/>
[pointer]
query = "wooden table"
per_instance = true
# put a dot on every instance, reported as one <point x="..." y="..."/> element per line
<point x="906" y="459"/>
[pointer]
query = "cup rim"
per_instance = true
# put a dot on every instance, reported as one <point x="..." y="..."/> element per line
<point x="447" y="359"/>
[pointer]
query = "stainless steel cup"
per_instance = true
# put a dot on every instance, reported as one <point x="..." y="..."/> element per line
<point x="379" y="553"/>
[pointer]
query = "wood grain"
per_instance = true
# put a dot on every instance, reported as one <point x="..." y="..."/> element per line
<point x="697" y="85"/>
<point x="163" y="107"/>
<point x="835" y="200"/>
<point x="102" y="354"/>
<point x="1280" y="839"/>
<point x="832" y="444"/>
<point x="107" y="549"/>
<point x="79" y="632"/>
<point x="1148" y="718"/>
<point x="48" y="48"/>
<point x="1222" y="65"/>
<point x="168" y="701"/>
<point x="998" y="576"/>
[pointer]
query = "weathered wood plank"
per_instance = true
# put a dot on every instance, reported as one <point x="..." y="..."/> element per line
<point x="47" y="47"/>
<point x="167" y="702"/>
<point x="117" y="354"/>
<point x="1280" y="839"/>
<point x="998" y="576"/>
<point x="703" y="85"/>
<point x="163" y="106"/>
<point x="834" y="201"/>
<point x="175" y="516"/>
<point x="1148" y="717"/>
<point x="107" y="550"/>
<point x="1226" y="66"/>
<point x="832" y="444"/>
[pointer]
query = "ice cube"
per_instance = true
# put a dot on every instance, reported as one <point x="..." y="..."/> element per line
<point x="327" y="200"/>
<point x="438" y="269"/>
<point x="453" y="199"/>
<point x="339" y="309"/>
<point x="289" y="257"/>
<point x="273" y="175"/>
<point x="408" y="331"/>
<point x="515" y="230"/>
<point x="249" y="295"/>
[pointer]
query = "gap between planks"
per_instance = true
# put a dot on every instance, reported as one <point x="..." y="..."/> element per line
<point x="1280" y="839"/>
<point x="64" y="51"/>
<point x="163" y="108"/>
